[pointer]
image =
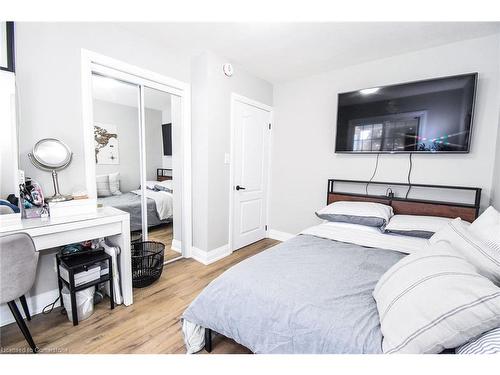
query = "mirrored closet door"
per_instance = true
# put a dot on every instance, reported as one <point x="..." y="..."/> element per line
<point x="137" y="158"/>
<point x="117" y="144"/>
<point x="159" y="132"/>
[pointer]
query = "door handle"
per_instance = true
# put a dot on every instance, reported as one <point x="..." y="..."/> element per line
<point x="238" y="187"/>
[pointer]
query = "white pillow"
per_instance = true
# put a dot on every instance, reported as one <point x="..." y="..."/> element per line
<point x="487" y="226"/>
<point x="102" y="182"/>
<point x="485" y="256"/>
<point x="114" y="183"/>
<point x="487" y="343"/>
<point x="415" y="225"/>
<point x="433" y="300"/>
<point x="362" y="213"/>
<point x="166" y="183"/>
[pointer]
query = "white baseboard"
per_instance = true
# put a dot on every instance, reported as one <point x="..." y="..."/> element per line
<point x="208" y="257"/>
<point x="176" y="246"/>
<point x="278" y="235"/>
<point x="35" y="305"/>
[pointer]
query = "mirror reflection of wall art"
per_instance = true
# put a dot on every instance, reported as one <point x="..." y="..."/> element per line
<point x="106" y="144"/>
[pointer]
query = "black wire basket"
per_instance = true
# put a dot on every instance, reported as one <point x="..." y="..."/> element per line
<point x="135" y="237"/>
<point x="147" y="262"/>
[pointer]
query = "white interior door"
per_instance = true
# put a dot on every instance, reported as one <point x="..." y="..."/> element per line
<point x="251" y="131"/>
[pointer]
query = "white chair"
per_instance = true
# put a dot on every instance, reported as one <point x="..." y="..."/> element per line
<point x="18" y="261"/>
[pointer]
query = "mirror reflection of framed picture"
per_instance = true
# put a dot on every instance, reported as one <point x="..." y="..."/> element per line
<point x="7" y="46"/>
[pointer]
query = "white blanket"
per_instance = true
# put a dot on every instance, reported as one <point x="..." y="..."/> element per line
<point x="367" y="236"/>
<point x="163" y="201"/>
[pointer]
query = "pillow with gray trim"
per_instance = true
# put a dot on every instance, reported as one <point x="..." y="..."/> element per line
<point x="361" y="213"/>
<point x="416" y="225"/>
<point x="114" y="183"/>
<point x="102" y="184"/>
<point x="483" y="254"/>
<point x="487" y="226"/>
<point x="163" y="188"/>
<point x="434" y="300"/>
<point x="487" y="343"/>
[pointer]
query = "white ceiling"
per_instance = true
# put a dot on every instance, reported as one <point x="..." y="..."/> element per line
<point x="279" y="52"/>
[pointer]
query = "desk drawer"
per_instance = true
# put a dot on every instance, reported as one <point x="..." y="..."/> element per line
<point x="50" y="240"/>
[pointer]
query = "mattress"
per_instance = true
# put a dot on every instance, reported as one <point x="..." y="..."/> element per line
<point x="131" y="203"/>
<point x="307" y="295"/>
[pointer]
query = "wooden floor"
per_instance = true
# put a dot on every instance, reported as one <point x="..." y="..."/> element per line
<point x="164" y="234"/>
<point x="150" y="325"/>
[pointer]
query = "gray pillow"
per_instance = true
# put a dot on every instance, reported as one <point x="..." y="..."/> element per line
<point x="416" y="225"/>
<point x="362" y="213"/>
<point x="163" y="188"/>
<point x="361" y="220"/>
<point x="412" y="233"/>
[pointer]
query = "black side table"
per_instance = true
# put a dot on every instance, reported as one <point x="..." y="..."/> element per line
<point x="78" y="263"/>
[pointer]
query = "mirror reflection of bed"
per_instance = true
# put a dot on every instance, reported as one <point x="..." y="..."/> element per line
<point x="161" y="192"/>
<point x="117" y="137"/>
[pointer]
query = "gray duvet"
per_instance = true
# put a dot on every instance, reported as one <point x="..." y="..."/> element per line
<point x="131" y="203"/>
<point x="306" y="295"/>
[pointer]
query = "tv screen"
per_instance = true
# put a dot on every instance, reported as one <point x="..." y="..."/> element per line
<point x="428" y="116"/>
<point x="166" y="132"/>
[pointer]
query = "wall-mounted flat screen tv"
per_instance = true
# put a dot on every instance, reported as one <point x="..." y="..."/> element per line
<point x="430" y="116"/>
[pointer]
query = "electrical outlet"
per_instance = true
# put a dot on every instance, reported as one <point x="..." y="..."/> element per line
<point x="227" y="158"/>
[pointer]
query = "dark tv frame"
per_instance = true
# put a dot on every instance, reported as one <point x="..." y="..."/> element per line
<point x="474" y="75"/>
<point x="166" y="135"/>
<point x="9" y="39"/>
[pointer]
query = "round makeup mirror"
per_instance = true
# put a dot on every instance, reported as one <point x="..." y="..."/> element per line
<point x="51" y="154"/>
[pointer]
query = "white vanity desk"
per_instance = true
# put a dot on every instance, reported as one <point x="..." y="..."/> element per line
<point x="106" y="222"/>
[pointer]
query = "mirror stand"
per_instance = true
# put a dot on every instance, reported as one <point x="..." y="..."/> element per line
<point x="51" y="155"/>
<point x="57" y="197"/>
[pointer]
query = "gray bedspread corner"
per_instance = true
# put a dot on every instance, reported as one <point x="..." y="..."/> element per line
<point x="131" y="203"/>
<point x="306" y="295"/>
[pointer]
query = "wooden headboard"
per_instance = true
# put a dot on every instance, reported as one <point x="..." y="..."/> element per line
<point x="409" y="206"/>
<point x="163" y="174"/>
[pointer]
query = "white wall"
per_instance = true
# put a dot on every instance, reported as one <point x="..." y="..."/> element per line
<point x="303" y="155"/>
<point x="49" y="83"/>
<point x="154" y="143"/>
<point x="48" y="68"/>
<point x="199" y="136"/>
<point x="126" y="120"/>
<point x="48" y="75"/>
<point x="211" y="139"/>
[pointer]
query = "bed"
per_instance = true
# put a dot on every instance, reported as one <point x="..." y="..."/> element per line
<point x="312" y="293"/>
<point x="159" y="205"/>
